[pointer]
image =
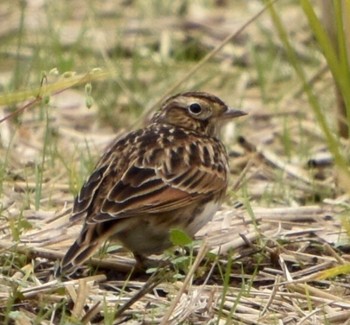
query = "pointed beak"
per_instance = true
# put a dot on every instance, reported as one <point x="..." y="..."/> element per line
<point x="232" y="113"/>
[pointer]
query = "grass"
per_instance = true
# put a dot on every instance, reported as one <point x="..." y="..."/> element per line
<point x="270" y="258"/>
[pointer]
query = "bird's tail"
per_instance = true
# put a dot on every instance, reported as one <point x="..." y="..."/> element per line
<point x="83" y="248"/>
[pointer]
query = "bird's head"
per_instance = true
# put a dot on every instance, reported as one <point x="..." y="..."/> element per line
<point x="197" y="111"/>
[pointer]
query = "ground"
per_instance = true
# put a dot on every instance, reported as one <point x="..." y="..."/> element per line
<point x="278" y="250"/>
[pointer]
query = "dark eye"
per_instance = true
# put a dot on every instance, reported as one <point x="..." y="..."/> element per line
<point x="195" y="108"/>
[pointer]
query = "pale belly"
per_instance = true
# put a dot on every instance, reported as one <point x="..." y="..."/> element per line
<point x="202" y="217"/>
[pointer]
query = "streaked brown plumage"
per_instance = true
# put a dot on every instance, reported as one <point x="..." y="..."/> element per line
<point x="171" y="174"/>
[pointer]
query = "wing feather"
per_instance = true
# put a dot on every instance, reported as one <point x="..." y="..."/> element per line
<point x="155" y="177"/>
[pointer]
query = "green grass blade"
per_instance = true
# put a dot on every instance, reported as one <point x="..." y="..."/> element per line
<point x="332" y="141"/>
<point x="338" y="65"/>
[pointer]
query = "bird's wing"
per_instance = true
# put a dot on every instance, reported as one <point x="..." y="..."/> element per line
<point x="160" y="179"/>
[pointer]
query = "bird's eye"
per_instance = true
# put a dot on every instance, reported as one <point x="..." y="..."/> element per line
<point x="195" y="108"/>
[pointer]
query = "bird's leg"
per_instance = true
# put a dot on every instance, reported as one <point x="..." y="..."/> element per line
<point x="144" y="263"/>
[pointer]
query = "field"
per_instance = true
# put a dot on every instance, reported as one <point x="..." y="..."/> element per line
<point x="75" y="75"/>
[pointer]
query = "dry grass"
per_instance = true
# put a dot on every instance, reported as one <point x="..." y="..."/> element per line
<point x="277" y="252"/>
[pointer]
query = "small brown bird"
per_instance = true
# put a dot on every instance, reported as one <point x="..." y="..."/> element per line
<point x="171" y="174"/>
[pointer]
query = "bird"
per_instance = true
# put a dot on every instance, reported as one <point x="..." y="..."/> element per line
<point x="171" y="174"/>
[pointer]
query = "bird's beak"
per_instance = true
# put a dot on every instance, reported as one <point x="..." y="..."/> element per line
<point x="232" y="113"/>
